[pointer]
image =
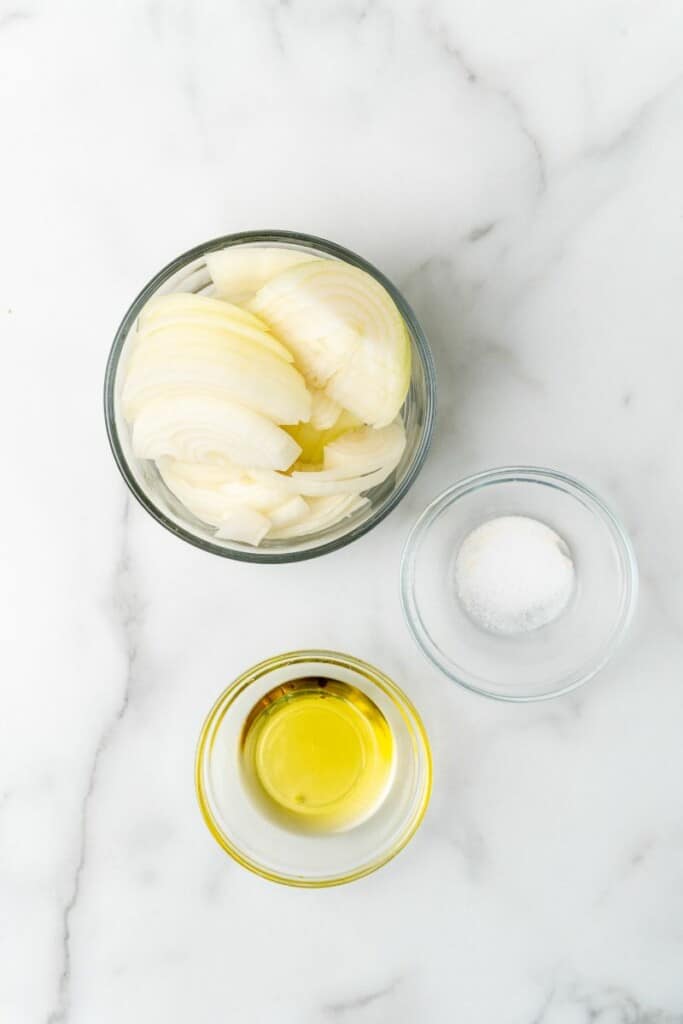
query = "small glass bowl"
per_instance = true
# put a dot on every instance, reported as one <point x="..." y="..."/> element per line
<point x="189" y="273"/>
<point x="545" y="662"/>
<point x="308" y="860"/>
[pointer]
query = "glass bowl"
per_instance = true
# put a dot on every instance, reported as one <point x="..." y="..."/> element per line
<point x="544" y="662"/>
<point x="310" y="860"/>
<point x="189" y="273"/>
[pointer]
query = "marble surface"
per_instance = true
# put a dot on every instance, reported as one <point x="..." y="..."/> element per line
<point x="516" y="169"/>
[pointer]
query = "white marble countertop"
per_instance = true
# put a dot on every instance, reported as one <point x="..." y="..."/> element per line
<point x="516" y="169"/>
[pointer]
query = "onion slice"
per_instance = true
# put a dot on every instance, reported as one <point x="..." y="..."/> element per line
<point x="193" y="428"/>
<point x="244" y="525"/>
<point x="324" y="410"/>
<point x="366" y="450"/>
<point x="219" y="363"/>
<point x="190" y="310"/>
<point x="346" y="334"/>
<point x="239" y="271"/>
<point x="289" y="513"/>
<point x="354" y="462"/>
<point x="323" y="513"/>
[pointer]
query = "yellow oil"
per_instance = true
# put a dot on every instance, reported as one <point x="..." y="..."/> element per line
<point x="317" y="755"/>
<point x="313" y="441"/>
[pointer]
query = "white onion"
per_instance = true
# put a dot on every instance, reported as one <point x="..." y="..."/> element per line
<point x="193" y="428"/>
<point x="239" y="271"/>
<point x="222" y="364"/>
<point x="324" y="410"/>
<point x="289" y="513"/>
<point x="244" y="525"/>
<point x="182" y="310"/>
<point x="346" y="335"/>
<point x="366" y="450"/>
<point x="324" y="512"/>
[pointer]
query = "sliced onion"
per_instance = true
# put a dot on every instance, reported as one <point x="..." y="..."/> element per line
<point x="193" y="428"/>
<point x="324" y="410"/>
<point x="313" y="441"/>
<point x="346" y="335"/>
<point x="372" y="386"/>
<point x="366" y="450"/>
<point x="355" y="461"/>
<point x="222" y="364"/>
<point x="212" y="492"/>
<point x="295" y="305"/>
<point x="324" y="512"/>
<point x="206" y="475"/>
<point x="182" y="303"/>
<point x="239" y="271"/>
<point x="289" y="513"/>
<point x="327" y="482"/>
<point x="244" y="525"/>
<point x="200" y="311"/>
<point x="204" y="501"/>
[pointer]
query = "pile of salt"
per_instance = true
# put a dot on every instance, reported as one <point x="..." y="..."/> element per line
<point x="514" y="574"/>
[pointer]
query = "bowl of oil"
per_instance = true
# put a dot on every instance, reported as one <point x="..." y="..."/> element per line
<point x="313" y="769"/>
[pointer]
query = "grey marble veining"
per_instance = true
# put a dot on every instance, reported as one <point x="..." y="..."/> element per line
<point x="516" y="170"/>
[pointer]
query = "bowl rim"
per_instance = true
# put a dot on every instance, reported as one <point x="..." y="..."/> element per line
<point x="420" y="347"/>
<point x="507" y="474"/>
<point x="323" y="657"/>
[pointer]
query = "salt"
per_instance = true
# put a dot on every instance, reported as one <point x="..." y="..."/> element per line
<point x="514" y="574"/>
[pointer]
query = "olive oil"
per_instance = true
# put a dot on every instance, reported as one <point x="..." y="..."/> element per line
<point x="312" y="441"/>
<point x="317" y="755"/>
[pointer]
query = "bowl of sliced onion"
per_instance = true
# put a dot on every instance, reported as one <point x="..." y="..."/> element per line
<point x="269" y="396"/>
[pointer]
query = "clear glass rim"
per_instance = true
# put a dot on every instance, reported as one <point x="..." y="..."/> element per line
<point x="507" y="474"/>
<point x="335" y="659"/>
<point x="420" y="344"/>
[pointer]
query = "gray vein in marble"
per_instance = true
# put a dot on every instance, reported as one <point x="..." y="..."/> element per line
<point x="346" y="1006"/>
<point x="127" y="616"/>
<point x="273" y="11"/>
<point x="630" y="133"/>
<point x="474" y="78"/>
<point x="468" y="843"/>
<point x="356" y="14"/>
<point x="609" y="1005"/>
<point x="180" y="22"/>
<point x="153" y="11"/>
<point x="437" y="281"/>
<point x="641" y="853"/>
<point x="545" y="1005"/>
<point x="602" y="189"/>
<point x="480" y="231"/>
<point x="14" y="17"/>
<point x="627" y="138"/>
<point x="508" y="360"/>
<point x="637" y="858"/>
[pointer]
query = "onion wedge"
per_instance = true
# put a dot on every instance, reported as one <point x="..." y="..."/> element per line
<point x="239" y="271"/>
<point x="346" y="334"/>
<point x="219" y="363"/>
<point x="193" y="428"/>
